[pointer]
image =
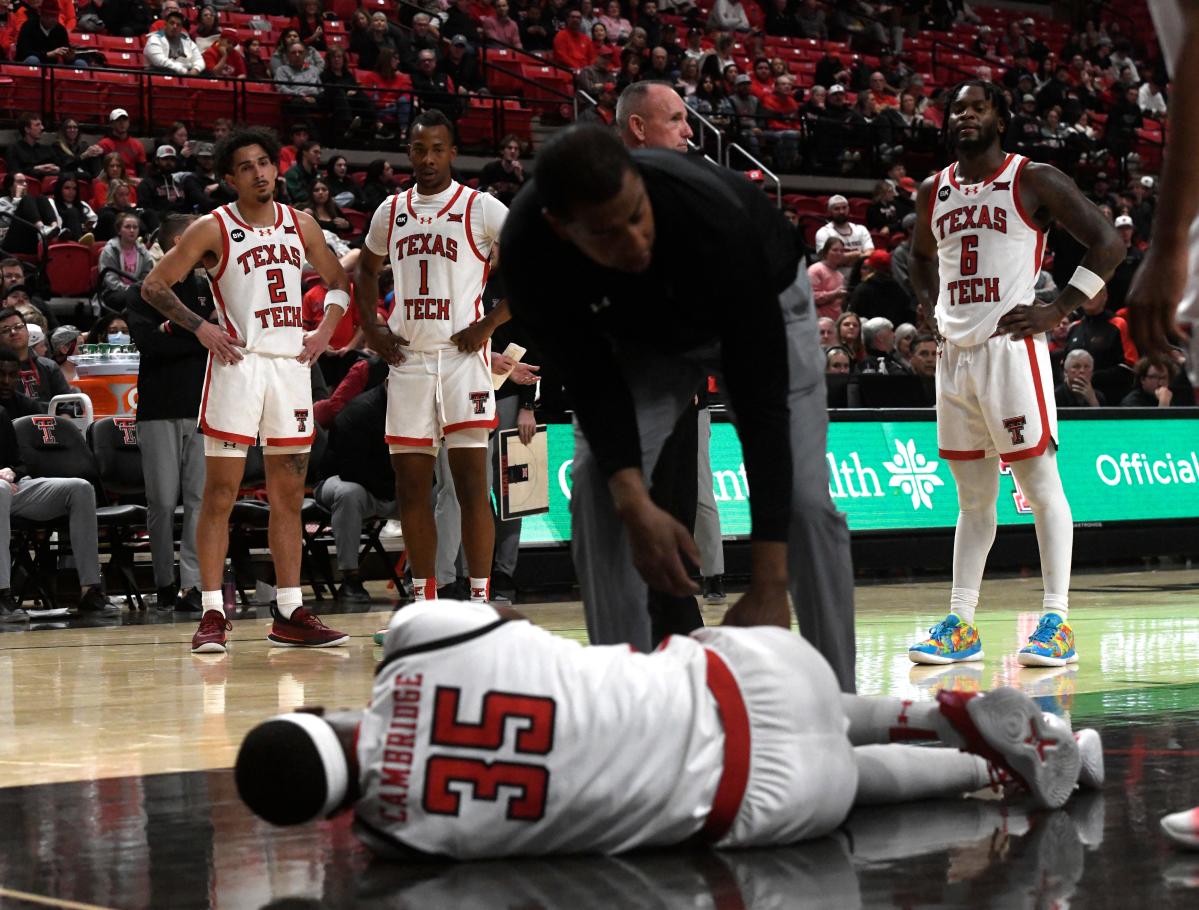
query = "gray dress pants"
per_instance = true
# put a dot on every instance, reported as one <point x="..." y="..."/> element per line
<point x="819" y="559"/>
<point x="707" y="518"/>
<point x="351" y="504"/>
<point x="173" y="467"/>
<point x="46" y="498"/>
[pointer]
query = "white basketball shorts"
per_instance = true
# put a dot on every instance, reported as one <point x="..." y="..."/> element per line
<point x="995" y="398"/>
<point x="440" y="395"/>
<point x="260" y="397"/>
<point x="802" y="775"/>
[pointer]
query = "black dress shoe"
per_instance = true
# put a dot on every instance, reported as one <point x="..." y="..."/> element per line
<point x="95" y="601"/>
<point x="190" y="602"/>
<point x="167" y="597"/>
<point x="352" y="591"/>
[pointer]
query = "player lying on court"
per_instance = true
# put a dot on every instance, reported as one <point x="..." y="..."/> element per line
<point x="488" y="736"/>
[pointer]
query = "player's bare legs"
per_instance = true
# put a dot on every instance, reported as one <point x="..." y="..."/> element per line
<point x="414" y="483"/>
<point x="222" y="480"/>
<point x="285" y="476"/>
<point x="469" y="467"/>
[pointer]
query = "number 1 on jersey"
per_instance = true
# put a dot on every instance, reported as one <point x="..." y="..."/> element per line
<point x="424" y="276"/>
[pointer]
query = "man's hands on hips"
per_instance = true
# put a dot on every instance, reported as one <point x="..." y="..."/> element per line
<point x="1026" y="320"/>
<point x="473" y="337"/>
<point x="315" y="344"/>
<point x="223" y="346"/>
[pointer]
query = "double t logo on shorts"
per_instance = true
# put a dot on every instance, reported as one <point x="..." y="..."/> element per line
<point x="479" y="399"/>
<point x="1015" y="426"/>
<point x="301" y="420"/>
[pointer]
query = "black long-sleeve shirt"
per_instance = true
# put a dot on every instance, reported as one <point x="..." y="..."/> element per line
<point x="722" y="254"/>
<point x="171" y="372"/>
<point x="357" y="451"/>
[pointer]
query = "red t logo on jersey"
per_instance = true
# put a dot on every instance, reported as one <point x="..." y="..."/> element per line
<point x="479" y="399"/>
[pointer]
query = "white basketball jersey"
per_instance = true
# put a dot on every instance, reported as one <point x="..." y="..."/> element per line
<point x="439" y="247"/>
<point x="257" y="282"/>
<point x="989" y="250"/>
<point x="487" y="737"/>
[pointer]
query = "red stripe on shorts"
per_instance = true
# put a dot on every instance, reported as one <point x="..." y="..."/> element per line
<point x="735" y="775"/>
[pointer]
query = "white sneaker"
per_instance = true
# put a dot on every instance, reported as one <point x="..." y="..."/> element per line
<point x="1183" y="828"/>
<point x="391" y="529"/>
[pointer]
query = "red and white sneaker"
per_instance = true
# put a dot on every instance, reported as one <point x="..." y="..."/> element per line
<point x="1183" y="828"/>
<point x="1006" y="727"/>
<point x="303" y="630"/>
<point x="210" y="637"/>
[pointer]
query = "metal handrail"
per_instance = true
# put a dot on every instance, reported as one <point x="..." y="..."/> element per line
<point x="778" y="184"/>
<point x="709" y="125"/>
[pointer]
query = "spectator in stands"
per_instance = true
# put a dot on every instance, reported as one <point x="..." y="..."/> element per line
<point x="31" y="218"/>
<point x="38" y="378"/>
<point x="572" y="46"/>
<point x="782" y="129"/>
<point x="118" y="140"/>
<point x="827" y="330"/>
<point x="810" y="21"/>
<point x="1101" y="193"/>
<point x="170" y="50"/>
<point x="591" y="79"/>
<point x="43" y="499"/>
<point x="630" y="71"/>
<point x="112" y="168"/>
<point x="688" y="80"/>
<point x="298" y="79"/>
<point x="257" y="68"/>
<point x="222" y="58"/>
<point x="904" y="333"/>
<point x="377" y="185"/>
<point x="12" y="274"/>
<point x="828" y="283"/>
<point x="780" y="19"/>
<point x="855" y="237"/>
<point x="882" y="215"/>
<point x="878" y="335"/>
<point x="63" y="343"/>
<point x="362" y="485"/>
<point x="1106" y="337"/>
<point x="837" y="359"/>
<point x="1124" y="118"/>
<point x="124" y="261"/>
<point x="456" y="20"/>
<point x="1076" y="390"/>
<point x="160" y="193"/>
<point x="719" y="58"/>
<point x="879" y="294"/>
<point x="112" y="328"/>
<point x="659" y="66"/>
<point x="170" y="380"/>
<point x="390" y="91"/>
<point x="118" y="204"/>
<point x="536" y="34"/>
<point x="425" y="35"/>
<point x="435" y="90"/>
<point x="346" y="192"/>
<point x="310" y="24"/>
<point x="618" y="27"/>
<point x="202" y="186"/>
<point x="1150" y="98"/>
<point x="849" y="335"/>
<point x="1153" y="377"/>
<point x="27" y="155"/>
<point x="69" y="151"/>
<point x="75" y="216"/>
<point x="362" y="36"/>
<point x="303" y="174"/>
<point x="43" y="40"/>
<point x="1118" y="284"/>
<point x="746" y="114"/>
<point x="126" y="18"/>
<point x="922" y="356"/>
<point x="461" y="67"/>
<point x="282" y="56"/>
<point x="321" y="206"/>
<point x="351" y="105"/>
<point x="728" y="16"/>
<point x="504" y="177"/>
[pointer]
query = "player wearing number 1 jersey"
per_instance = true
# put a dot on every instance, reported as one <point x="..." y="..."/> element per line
<point x="975" y="259"/>
<point x="487" y="736"/>
<point x="257" y="386"/>
<point x="441" y="239"/>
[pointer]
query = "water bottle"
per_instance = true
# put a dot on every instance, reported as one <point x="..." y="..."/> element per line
<point x="229" y="590"/>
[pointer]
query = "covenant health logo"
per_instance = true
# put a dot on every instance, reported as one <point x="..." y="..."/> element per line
<point x="1136" y="469"/>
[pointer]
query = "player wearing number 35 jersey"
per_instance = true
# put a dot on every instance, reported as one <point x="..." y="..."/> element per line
<point x="976" y="255"/>
<point x="488" y="736"/>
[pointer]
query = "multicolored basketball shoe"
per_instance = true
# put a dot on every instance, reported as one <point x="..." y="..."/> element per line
<point x="948" y="642"/>
<point x="1050" y="645"/>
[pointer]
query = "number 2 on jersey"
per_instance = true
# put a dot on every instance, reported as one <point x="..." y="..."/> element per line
<point x="276" y="285"/>
<point x="533" y="719"/>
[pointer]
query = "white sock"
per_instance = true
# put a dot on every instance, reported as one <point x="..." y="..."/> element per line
<point x="1057" y="603"/>
<point x="896" y="720"/>
<point x="424" y="589"/>
<point x="213" y="600"/>
<point x="897" y="774"/>
<point x="480" y="590"/>
<point x="1041" y="485"/>
<point x="963" y="602"/>
<point x="288" y="600"/>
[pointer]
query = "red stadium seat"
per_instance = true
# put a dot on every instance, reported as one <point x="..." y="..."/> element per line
<point x="68" y="269"/>
<point x="26" y="85"/>
<point x="126" y="60"/>
<point x="118" y="43"/>
<point x="169" y="98"/>
<point x="358" y="221"/>
<point x="122" y="90"/>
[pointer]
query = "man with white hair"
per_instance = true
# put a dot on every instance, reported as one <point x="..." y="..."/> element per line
<point x="828" y="332"/>
<point x="1076" y="391"/>
<point x="878" y="335"/>
<point x="855" y="237"/>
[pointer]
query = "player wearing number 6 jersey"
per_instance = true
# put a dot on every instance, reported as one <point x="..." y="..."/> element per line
<point x="488" y="736"/>
<point x="976" y="255"/>
<point x="257" y="386"/>
<point x="441" y="239"/>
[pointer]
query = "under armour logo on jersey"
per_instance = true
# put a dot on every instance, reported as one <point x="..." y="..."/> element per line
<point x="301" y="420"/>
<point x="46" y="425"/>
<point x="237" y="235"/>
<point x="425" y="219"/>
<point x="455" y="217"/>
<point x="128" y="428"/>
<point x="971" y="190"/>
<point x="1015" y="427"/>
<point x="479" y="400"/>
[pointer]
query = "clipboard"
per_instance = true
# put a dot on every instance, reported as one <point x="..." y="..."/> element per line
<point x="524" y="475"/>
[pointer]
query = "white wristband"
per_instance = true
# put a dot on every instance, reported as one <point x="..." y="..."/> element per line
<point x="1087" y="282"/>
<point x="338" y="299"/>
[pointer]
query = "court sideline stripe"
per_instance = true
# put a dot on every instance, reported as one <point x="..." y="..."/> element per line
<point x="47" y="901"/>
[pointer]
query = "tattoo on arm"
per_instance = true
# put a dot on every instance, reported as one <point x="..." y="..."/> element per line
<point x="166" y="302"/>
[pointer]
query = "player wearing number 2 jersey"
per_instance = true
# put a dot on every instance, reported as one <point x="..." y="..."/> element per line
<point x="488" y="736"/>
<point x="975" y="259"/>
<point x="441" y="239"/>
<point x="257" y="386"/>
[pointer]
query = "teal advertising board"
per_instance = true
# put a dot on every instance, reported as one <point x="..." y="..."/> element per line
<point x="887" y="476"/>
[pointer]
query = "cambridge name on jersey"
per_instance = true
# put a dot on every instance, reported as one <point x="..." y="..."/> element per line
<point x="485" y="737"/>
<point x="989" y="251"/>
<point x="439" y="247"/>
<point x="257" y="281"/>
